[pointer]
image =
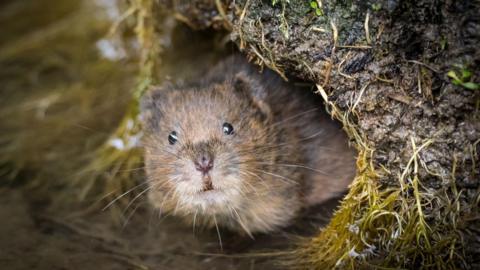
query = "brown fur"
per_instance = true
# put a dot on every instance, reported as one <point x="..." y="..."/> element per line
<point x="285" y="152"/>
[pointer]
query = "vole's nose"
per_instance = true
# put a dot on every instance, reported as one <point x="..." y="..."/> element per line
<point x="204" y="163"/>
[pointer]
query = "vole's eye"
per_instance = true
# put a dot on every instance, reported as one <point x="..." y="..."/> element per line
<point x="227" y="128"/>
<point x="172" y="137"/>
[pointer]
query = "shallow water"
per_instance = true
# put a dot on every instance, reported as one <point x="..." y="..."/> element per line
<point x="65" y="85"/>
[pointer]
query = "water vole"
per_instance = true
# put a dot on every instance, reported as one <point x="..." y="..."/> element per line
<point x="242" y="149"/>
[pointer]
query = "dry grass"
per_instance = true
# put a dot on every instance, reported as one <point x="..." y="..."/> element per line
<point x="120" y="155"/>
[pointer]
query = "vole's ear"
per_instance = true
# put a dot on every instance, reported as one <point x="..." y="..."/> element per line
<point x="151" y="107"/>
<point x="251" y="88"/>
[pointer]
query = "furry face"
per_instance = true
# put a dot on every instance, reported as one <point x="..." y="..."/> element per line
<point x="203" y="158"/>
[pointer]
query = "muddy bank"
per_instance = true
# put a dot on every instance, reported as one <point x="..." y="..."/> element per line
<point x="382" y="68"/>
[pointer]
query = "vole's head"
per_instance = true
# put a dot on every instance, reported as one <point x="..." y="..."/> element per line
<point x="203" y="145"/>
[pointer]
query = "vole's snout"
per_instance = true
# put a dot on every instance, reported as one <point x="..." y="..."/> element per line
<point x="204" y="163"/>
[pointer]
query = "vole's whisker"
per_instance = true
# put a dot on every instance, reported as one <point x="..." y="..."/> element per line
<point x="285" y="179"/>
<point x="164" y="151"/>
<point x="176" y="207"/>
<point x="278" y="148"/>
<point x="123" y="194"/>
<point x="194" y="220"/>
<point x="291" y="165"/>
<point x="218" y="232"/>
<point x="133" y="169"/>
<point x="133" y="211"/>
<point x="239" y="220"/>
<point x="136" y="197"/>
<point x="158" y="159"/>
<point x="251" y="186"/>
<point x="161" y="207"/>
<point x="159" y="187"/>
<point x="255" y="175"/>
<point x="154" y="148"/>
<point x="258" y="149"/>
<point x="141" y="193"/>
<point x="293" y="117"/>
<point x="130" y="215"/>
<point x="152" y="217"/>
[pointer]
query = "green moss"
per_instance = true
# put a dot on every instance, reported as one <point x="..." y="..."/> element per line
<point x="317" y="8"/>
<point x="462" y="76"/>
<point x="376" y="6"/>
